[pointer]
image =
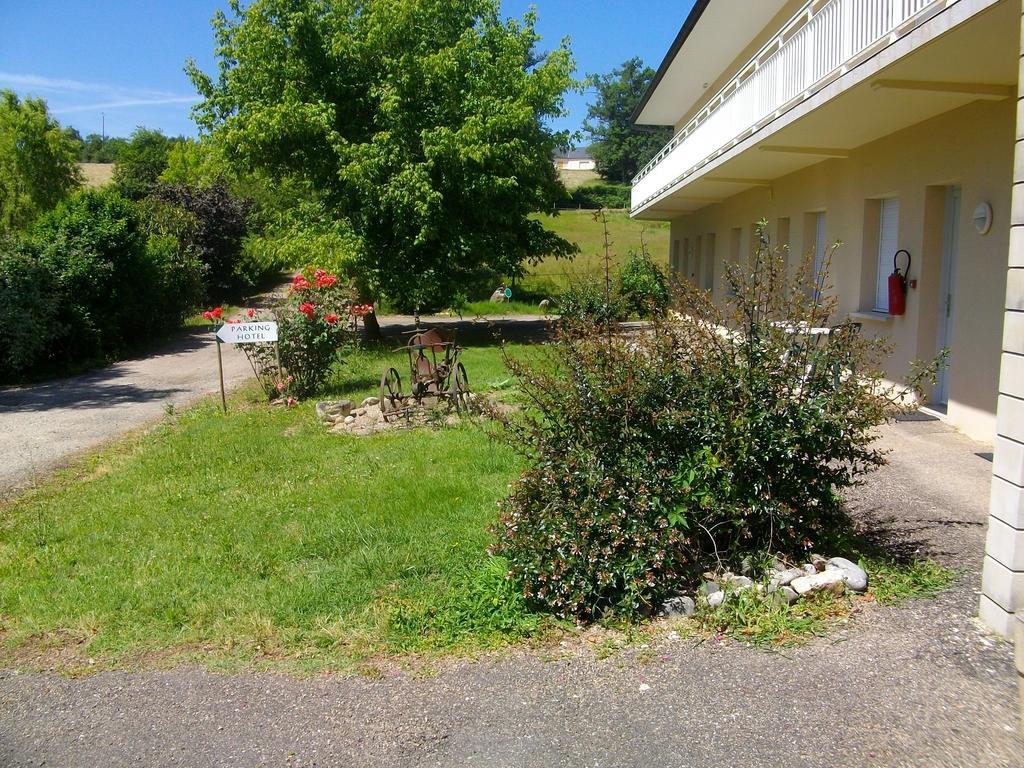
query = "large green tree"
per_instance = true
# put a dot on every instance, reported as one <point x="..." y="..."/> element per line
<point x="37" y="161"/>
<point x="423" y="122"/>
<point x="140" y="162"/>
<point x="620" y="148"/>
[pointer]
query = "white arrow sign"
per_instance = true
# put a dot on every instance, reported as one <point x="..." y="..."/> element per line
<point x="247" y="333"/>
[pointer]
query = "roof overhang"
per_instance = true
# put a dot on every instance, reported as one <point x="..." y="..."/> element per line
<point x="967" y="53"/>
<point x="712" y="36"/>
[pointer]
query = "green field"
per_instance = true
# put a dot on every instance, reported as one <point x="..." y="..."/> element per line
<point x="574" y="179"/>
<point x="580" y="227"/>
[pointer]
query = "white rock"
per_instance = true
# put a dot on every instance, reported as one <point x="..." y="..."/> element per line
<point x="787" y="576"/>
<point x="738" y="583"/>
<point x="708" y="588"/>
<point x="370" y="401"/>
<point x="785" y="595"/>
<point x="350" y="419"/>
<point x="715" y="599"/>
<point x="826" y="580"/>
<point x="676" y="607"/>
<point x="855" y="577"/>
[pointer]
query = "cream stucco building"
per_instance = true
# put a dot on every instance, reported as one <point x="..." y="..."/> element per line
<point x="888" y="125"/>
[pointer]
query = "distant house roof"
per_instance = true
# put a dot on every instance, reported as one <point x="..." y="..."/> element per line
<point x="574" y="154"/>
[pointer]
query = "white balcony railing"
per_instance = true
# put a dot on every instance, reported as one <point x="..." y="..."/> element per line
<point x="814" y="47"/>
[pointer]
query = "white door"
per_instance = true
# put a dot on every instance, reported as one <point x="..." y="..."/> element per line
<point x="950" y="239"/>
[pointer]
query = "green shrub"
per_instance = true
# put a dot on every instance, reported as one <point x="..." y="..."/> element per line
<point x="214" y="228"/>
<point x="111" y="283"/>
<point x="302" y="240"/>
<point x="643" y="286"/>
<point x="600" y="195"/>
<point x="715" y="435"/>
<point x="588" y="302"/>
<point x="30" y="298"/>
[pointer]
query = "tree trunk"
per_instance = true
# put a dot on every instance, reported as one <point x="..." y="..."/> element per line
<point x="372" y="327"/>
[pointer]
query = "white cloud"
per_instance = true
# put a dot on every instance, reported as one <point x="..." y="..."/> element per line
<point x="112" y="96"/>
<point x="127" y="103"/>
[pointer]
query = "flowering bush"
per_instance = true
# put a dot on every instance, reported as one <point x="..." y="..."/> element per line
<point x="311" y="336"/>
<point x="717" y="435"/>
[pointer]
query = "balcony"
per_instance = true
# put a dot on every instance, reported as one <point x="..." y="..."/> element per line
<point x="818" y="45"/>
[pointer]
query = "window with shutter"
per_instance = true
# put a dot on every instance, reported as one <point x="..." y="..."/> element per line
<point x="888" y="244"/>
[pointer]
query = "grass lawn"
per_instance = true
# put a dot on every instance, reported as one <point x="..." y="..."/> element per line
<point x="579" y="227"/>
<point x="513" y="307"/>
<point x="258" y="539"/>
<point x="258" y="535"/>
<point x="574" y="179"/>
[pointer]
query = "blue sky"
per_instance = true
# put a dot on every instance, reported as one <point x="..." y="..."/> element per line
<point x="124" y="58"/>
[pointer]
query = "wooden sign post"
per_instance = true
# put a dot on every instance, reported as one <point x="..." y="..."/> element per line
<point x="242" y="333"/>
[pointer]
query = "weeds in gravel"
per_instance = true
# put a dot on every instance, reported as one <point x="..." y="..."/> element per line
<point x="757" y="618"/>
<point x="893" y="582"/>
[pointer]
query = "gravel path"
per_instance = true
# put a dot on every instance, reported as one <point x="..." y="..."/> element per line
<point x="45" y="425"/>
<point x="915" y="685"/>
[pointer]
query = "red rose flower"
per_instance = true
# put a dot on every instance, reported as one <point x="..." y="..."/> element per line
<point x="331" y="319"/>
<point x="300" y="283"/>
<point x="325" y="281"/>
<point x="208" y="315"/>
<point x="307" y="309"/>
<point x="251" y="313"/>
<point x="217" y="312"/>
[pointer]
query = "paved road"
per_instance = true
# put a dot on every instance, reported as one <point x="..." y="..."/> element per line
<point x="43" y="425"/>
<point x="915" y="685"/>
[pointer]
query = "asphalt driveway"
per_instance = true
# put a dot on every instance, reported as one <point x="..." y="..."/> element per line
<point x="45" y="425"/>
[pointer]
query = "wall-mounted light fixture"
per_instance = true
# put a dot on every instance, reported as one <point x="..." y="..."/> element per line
<point x="983" y="218"/>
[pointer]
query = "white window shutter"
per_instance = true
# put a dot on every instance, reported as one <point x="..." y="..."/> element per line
<point x="888" y="244"/>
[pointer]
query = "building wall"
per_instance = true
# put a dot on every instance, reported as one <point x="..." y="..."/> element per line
<point x="1002" y="579"/>
<point x="971" y="147"/>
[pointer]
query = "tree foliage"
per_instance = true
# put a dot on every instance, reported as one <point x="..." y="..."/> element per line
<point x="97" y="149"/>
<point x="420" y="121"/>
<point x="141" y="161"/>
<point x="620" y="148"/>
<point x="217" y="223"/>
<point x="37" y="161"/>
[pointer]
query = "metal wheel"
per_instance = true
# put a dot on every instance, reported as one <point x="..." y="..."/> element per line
<point x="390" y="394"/>
<point x="459" y="389"/>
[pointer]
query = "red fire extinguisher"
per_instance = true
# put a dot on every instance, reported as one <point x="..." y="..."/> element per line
<point x="898" y="285"/>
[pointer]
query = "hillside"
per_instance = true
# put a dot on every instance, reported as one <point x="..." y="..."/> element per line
<point x="581" y="228"/>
